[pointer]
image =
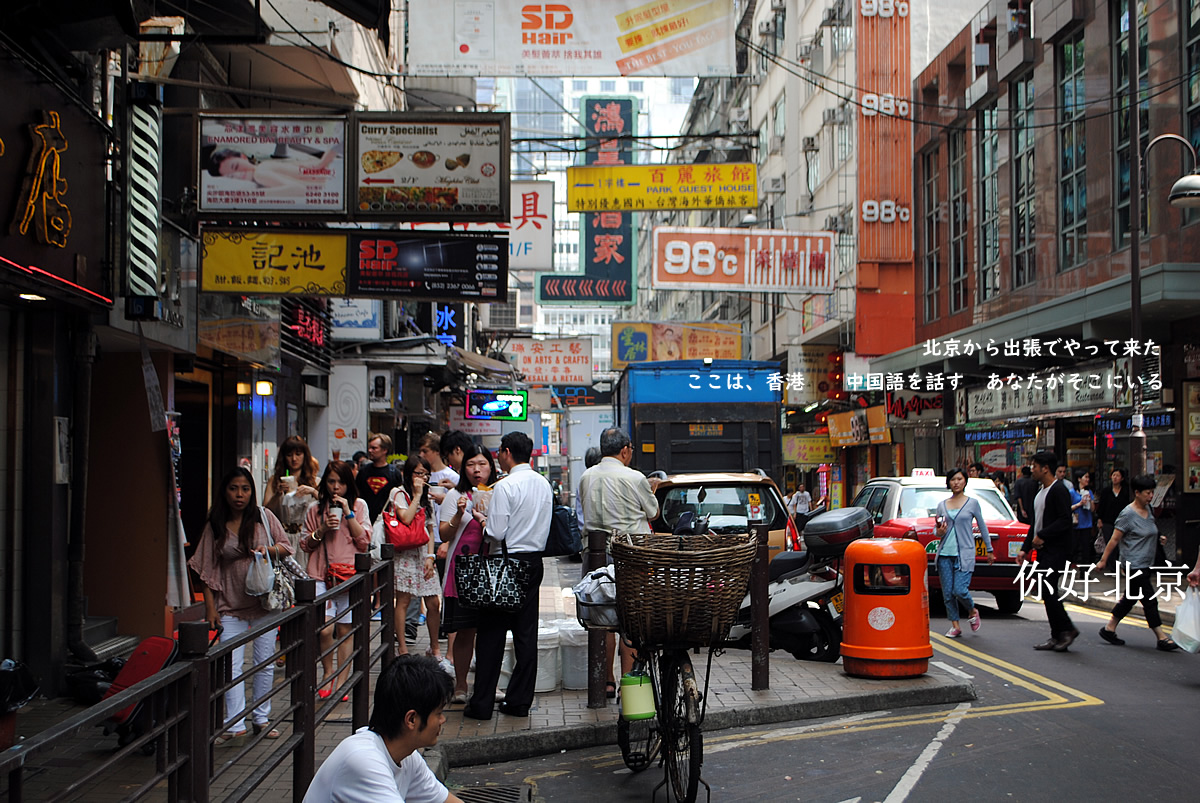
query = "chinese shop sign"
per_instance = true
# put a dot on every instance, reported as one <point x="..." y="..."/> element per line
<point x="565" y="361"/>
<point x="606" y="249"/>
<point x="760" y="261"/>
<point x="262" y="262"/>
<point x="430" y="166"/>
<point x="649" y="188"/>
<point x="417" y="264"/>
<point x="256" y="165"/>
<point x="598" y="37"/>
<point x="635" y="342"/>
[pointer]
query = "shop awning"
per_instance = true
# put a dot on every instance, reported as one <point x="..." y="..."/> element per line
<point x="483" y="365"/>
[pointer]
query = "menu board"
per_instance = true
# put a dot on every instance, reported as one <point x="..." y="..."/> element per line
<point x="433" y="265"/>
<point x="432" y="167"/>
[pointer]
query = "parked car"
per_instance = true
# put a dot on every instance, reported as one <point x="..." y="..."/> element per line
<point x="904" y="507"/>
<point x="727" y="497"/>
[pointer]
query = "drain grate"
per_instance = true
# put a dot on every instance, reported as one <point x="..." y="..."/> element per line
<point x="496" y="794"/>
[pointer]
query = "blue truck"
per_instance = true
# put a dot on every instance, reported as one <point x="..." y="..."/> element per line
<point x="688" y="416"/>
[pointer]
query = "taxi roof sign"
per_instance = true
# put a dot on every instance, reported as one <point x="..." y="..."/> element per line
<point x="923" y="472"/>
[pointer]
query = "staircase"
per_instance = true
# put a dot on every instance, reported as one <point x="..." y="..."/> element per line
<point x="100" y="633"/>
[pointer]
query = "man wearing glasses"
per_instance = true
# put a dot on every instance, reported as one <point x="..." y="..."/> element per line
<point x="519" y="515"/>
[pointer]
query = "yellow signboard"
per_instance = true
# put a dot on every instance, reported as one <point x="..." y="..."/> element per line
<point x="634" y="342"/>
<point x="640" y="188"/>
<point x="808" y="450"/>
<point x="273" y="263"/>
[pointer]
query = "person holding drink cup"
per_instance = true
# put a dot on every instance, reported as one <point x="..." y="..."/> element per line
<point x="293" y="487"/>
<point x="415" y="572"/>
<point x="956" y="549"/>
<point x="337" y="528"/>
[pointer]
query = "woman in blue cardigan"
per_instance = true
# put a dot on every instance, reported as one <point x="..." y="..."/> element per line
<point x="956" y="550"/>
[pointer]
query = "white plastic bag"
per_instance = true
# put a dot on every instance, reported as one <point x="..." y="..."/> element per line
<point x="1186" y="631"/>
<point x="260" y="576"/>
<point x="596" y="598"/>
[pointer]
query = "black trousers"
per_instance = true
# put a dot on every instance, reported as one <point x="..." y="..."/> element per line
<point x="489" y="650"/>
<point x="1140" y="584"/>
<point x="1055" y="560"/>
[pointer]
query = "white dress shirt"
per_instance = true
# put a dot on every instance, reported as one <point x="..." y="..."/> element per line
<point x="520" y="510"/>
<point x="616" y="497"/>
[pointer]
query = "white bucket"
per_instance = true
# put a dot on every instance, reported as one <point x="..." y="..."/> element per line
<point x="573" y="642"/>
<point x="548" y="665"/>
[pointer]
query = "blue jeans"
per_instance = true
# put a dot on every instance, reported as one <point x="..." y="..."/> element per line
<point x="955" y="590"/>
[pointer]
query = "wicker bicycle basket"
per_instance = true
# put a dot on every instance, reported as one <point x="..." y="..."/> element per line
<point x="680" y="590"/>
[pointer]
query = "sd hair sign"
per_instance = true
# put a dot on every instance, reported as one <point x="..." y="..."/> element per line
<point x="764" y="261"/>
<point x="596" y="37"/>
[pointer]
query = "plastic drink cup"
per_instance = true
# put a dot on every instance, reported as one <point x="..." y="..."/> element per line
<point x="336" y="512"/>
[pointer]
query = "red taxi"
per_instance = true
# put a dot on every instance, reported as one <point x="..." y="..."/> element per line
<point x="904" y="507"/>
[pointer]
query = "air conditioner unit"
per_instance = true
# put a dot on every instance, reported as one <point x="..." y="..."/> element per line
<point x="766" y="28"/>
<point x="779" y="5"/>
<point x="830" y="17"/>
<point x="774" y="184"/>
<point x="829" y="117"/>
<point x="754" y="79"/>
<point x="776" y="144"/>
<point x="804" y="51"/>
<point x="809" y="144"/>
<point x="739" y="116"/>
<point x="835" y="223"/>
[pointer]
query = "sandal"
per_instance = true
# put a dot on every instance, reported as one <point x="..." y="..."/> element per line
<point x="459" y="697"/>
<point x="610" y="689"/>
<point x="228" y="738"/>
<point x="259" y="727"/>
<point x="1166" y="645"/>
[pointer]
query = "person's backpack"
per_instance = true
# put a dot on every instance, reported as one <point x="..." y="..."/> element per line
<point x="565" y="536"/>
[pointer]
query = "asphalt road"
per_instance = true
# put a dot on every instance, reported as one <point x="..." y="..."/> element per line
<point x="1099" y="723"/>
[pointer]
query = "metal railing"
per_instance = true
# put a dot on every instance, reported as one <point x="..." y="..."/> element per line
<point x="181" y="716"/>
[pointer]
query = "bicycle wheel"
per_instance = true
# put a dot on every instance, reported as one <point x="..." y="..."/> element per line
<point x="682" y="748"/>
<point x="639" y="741"/>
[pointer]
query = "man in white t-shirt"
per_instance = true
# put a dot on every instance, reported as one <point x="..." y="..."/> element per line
<point x="800" y="501"/>
<point x="380" y="763"/>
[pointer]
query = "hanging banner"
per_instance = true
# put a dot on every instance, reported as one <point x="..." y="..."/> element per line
<point x="566" y="361"/>
<point x="600" y="37"/>
<point x="431" y="166"/>
<point x="272" y="164"/>
<point x="636" y="342"/>
<point x="273" y="262"/>
<point x="758" y="261"/>
<point x="650" y="188"/>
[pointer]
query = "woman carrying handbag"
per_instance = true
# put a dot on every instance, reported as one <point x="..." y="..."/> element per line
<point x="338" y="527"/>
<point x="408" y="518"/>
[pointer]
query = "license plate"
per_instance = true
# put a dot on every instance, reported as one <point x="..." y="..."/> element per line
<point x="980" y="549"/>
<point x="838" y="602"/>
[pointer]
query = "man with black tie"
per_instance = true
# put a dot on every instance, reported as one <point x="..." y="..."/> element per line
<point x="1050" y="535"/>
<point x="519" y="515"/>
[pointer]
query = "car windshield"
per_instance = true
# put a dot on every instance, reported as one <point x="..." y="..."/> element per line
<point x="919" y="503"/>
<point x="727" y="504"/>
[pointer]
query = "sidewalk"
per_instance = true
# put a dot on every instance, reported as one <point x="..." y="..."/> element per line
<point x="560" y="720"/>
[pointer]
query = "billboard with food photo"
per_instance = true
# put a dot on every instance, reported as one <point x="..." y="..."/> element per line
<point x="433" y="166"/>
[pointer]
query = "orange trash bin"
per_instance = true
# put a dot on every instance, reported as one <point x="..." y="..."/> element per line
<point x="886" y="629"/>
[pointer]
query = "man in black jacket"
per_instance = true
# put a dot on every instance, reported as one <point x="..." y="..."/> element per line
<point x="1050" y="535"/>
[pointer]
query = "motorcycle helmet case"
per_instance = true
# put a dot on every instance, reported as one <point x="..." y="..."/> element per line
<point x="828" y="534"/>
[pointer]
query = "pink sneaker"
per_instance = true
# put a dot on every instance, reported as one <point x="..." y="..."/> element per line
<point x="974" y="620"/>
<point x="954" y="632"/>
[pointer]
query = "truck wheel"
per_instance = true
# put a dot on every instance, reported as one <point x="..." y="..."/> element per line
<point x="1008" y="601"/>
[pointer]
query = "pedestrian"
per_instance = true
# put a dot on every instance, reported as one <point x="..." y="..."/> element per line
<point x="617" y="497"/>
<point x="1025" y="489"/>
<point x="1109" y="504"/>
<point x="1050" y="535"/>
<point x="415" y="574"/>
<point x="237" y="527"/>
<point x="381" y="762"/>
<point x="799" y="503"/>
<point x="518" y="515"/>
<point x="339" y="527"/>
<point x="1083" y="540"/>
<point x="376" y="480"/>
<point x="1136" y="530"/>
<point x="590" y="458"/>
<point x="462" y="529"/>
<point x="453" y="446"/>
<point x="442" y="478"/>
<point x="956" y="550"/>
<point x="292" y="488"/>
<point x="1060" y="474"/>
<point x="976" y="469"/>
<point x="358" y="460"/>
<point x="1001" y="483"/>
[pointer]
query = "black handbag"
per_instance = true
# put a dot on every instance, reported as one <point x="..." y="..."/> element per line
<point x="493" y="582"/>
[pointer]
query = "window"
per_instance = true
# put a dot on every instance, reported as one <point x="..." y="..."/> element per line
<point x="1193" y="67"/>
<point x="608" y="86"/>
<point x="987" y="204"/>
<point x="764" y="143"/>
<point x="1121" y="86"/>
<point x="1024" y="209"/>
<point x="780" y="115"/>
<point x="845" y="143"/>
<point x="635" y="86"/>
<point x="579" y="86"/>
<point x="929" y="166"/>
<point x="1072" y="187"/>
<point x="958" y="220"/>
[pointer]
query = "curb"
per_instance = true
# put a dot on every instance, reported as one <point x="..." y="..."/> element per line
<point x="436" y="759"/>
<point x="527" y="744"/>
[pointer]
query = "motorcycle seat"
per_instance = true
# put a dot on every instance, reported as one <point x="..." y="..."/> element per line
<point x="788" y="563"/>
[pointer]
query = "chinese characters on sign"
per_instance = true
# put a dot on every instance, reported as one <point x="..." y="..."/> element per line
<point x="602" y="187"/>
<point x="634" y="342"/>
<point x="552" y="362"/>
<point x="264" y="262"/>
<point x="761" y="261"/>
<point x="45" y="185"/>
<point x="1077" y="581"/>
<point x="1191" y="437"/>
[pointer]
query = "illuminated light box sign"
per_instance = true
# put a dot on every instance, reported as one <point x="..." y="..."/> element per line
<point x="497" y="405"/>
<point x="431" y="265"/>
<point x="646" y="188"/>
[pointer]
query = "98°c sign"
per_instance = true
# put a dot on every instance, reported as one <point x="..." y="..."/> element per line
<point x="750" y="260"/>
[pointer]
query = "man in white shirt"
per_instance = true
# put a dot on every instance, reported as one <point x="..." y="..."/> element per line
<point x="380" y="763"/>
<point x="800" y="502"/>
<point x="519" y="515"/>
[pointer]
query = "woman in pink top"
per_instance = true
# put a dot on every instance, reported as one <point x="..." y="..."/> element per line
<point x="222" y="562"/>
<point x="337" y="528"/>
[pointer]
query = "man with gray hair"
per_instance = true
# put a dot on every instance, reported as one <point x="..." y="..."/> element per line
<point x="617" y="497"/>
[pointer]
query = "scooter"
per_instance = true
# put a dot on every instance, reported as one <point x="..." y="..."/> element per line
<point x="805" y="604"/>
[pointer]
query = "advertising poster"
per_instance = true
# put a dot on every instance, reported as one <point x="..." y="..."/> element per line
<point x="1191" y="437"/>
<point x="273" y="262"/>
<point x="848" y="429"/>
<point x="431" y="167"/>
<point x="649" y="188"/>
<point x="472" y="426"/>
<point x="807" y="450"/>
<point x="877" y="425"/>
<point x="642" y="341"/>
<point x="272" y="164"/>
<point x="599" y="37"/>
<point x="760" y="261"/>
<point x="565" y="361"/>
<point x="416" y="264"/>
<point x="813" y="364"/>
<point x="241" y="326"/>
<point x="355" y="318"/>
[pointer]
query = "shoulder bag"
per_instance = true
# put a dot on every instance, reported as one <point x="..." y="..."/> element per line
<point x="400" y="535"/>
<point x="493" y="582"/>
